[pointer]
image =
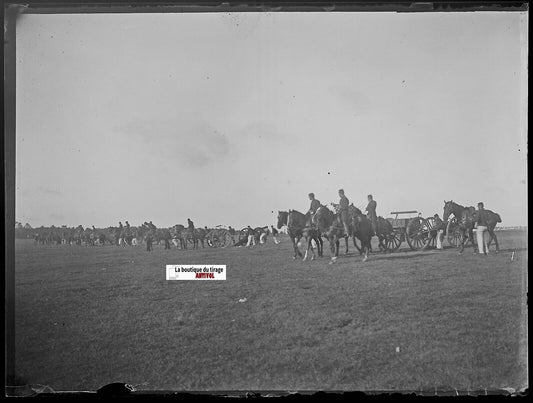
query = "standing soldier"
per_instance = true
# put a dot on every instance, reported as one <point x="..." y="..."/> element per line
<point x="120" y="234"/>
<point x="482" y="221"/>
<point x="251" y="236"/>
<point x="149" y="240"/>
<point x="343" y="211"/>
<point x="127" y="238"/>
<point x="371" y="213"/>
<point x="439" y="227"/>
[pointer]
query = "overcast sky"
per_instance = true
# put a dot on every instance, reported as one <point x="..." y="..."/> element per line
<point x="226" y="118"/>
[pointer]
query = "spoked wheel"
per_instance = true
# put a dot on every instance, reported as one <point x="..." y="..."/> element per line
<point x="243" y="234"/>
<point x="394" y="240"/>
<point x="454" y="234"/>
<point x="214" y="240"/>
<point x="210" y="239"/>
<point x="418" y="233"/>
<point x="228" y="239"/>
<point x="222" y="241"/>
<point x="432" y="237"/>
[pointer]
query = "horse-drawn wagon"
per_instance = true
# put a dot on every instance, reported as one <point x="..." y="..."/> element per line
<point x="417" y="231"/>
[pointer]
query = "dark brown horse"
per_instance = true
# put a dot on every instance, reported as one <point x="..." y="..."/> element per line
<point x="362" y="230"/>
<point x="179" y="234"/>
<point x="385" y="231"/>
<point x="466" y="218"/>
<point x="298" y="226"/>
<point x="331" y="227"/>
<point x="465" y="221"/>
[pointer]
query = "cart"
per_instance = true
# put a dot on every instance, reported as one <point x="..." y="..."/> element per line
<point x="417" y="231"/>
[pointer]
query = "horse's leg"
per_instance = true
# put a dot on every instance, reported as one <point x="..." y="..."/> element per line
<point x="314" y="238"/>
<point x="471" y="237"/>
<point x="313" y="249"/>
<point x="357" y="247"/>
<point x="335" y="249"/>
<point x="462" y="248"/>
<point x="298" y="239"/>
<point x="294" y="246"/>
<point x="346" y="243"/>
<point x="365" y="251"/>
<point x="493" y="236"/>
<point x="308" y="241"/>
<point x="297" y="252"/>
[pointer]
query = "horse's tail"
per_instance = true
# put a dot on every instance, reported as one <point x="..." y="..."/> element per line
<point x="498" y="218"/>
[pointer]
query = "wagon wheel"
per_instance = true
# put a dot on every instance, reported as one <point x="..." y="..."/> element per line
<point x="394" y="240"/>
<point x="214" y="239"/>
<point x="228" y="239"/>
<point x="453" y="233"/>
<point x="243" y="234"/>
<point x="417" y="233"/>
<point x="210" y="238"/>
<point x="222" y="241"/>
<point x="432" y="237"/>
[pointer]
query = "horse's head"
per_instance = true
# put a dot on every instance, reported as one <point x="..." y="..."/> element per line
<point x="354" y="210"/>
<point x="282" y="218"/>
<point x="448" y="209"/>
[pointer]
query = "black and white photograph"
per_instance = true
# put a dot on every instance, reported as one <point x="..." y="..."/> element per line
<point x="352" y="182"/>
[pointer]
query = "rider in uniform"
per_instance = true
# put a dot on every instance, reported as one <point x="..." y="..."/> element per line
<point x="344" y="203"/>
<point x="371" y="213"/>
<point x="313" y="208"/>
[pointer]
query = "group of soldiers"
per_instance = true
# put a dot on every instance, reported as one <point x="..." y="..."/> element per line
<point x="149" y="231"/>
<point x="342" y="208"/>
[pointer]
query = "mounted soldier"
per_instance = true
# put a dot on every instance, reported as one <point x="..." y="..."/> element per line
<point x="344" y="204"/>
<point x="313" y="208"/>
<point x="371" y="213"/>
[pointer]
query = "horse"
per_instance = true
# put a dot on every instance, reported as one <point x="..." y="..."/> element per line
<point x="384" y="231"/>
<point x="362" y="230"/>
<point x="336" y="231"/>
<point x="298" y="226"/>
<point x="466" y="218"/>
<point x="199" y="236"/>
<point x="163" y="234"/>
<point x="494" y="219"/>
<point x="180" y="234"/>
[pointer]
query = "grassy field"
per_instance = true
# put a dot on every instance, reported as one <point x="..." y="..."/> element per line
<point x="89" y="316"/>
